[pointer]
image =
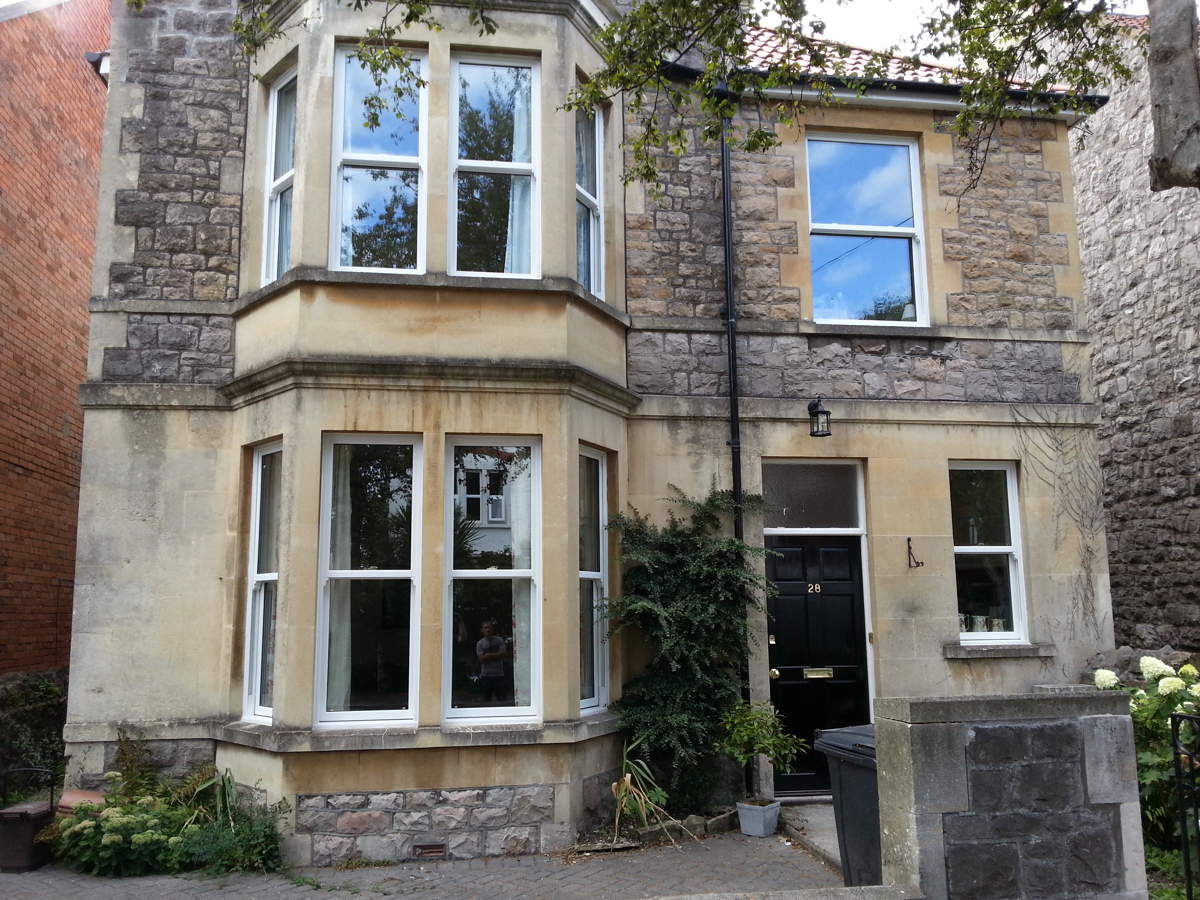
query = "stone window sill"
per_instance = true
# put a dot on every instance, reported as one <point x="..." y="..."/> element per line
<point x="281" y="739"/>
<point x="955" y="650"/>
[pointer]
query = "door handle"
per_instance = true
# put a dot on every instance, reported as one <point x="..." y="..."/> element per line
<point x="771" y="639"/>
<point x="774" y="673"/>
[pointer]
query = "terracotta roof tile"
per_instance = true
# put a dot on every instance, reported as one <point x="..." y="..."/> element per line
<point x="764" y="50"/>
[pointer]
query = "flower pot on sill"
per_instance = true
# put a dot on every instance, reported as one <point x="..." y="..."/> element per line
<point x="758" y="820"/>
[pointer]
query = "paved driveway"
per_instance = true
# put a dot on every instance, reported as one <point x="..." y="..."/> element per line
<point x="729" y="864"/>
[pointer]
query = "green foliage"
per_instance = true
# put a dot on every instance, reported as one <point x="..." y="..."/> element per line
<point x="688" y="590"/>
<point x="754" y="728"/>
<point x="1165" y="692"/>
<point x="33" y="709"/>
<point x="148" y="826"/>
<point x="637" y="794"/>
<point x="1165" y="871"/>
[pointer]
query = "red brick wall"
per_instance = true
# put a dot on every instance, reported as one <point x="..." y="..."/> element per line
<point x="51" y="116"/>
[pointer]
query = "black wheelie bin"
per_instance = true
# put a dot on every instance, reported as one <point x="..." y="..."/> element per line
<point x="855" y="786"/>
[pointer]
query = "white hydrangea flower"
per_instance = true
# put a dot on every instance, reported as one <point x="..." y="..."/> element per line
<point x="1106" y="678"/>
<point x="1188" y="671"/>
<point x="1194" y="690"/>
<point x="1170" y="685"/>
<point x="1154" y="669"/>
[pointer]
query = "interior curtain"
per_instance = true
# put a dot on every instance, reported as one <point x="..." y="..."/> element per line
<point x="338" y="692"/>
<point x="519" y="495"/>
<point x="517" y="249"/>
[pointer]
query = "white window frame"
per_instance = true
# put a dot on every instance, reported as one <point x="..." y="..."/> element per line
<point x="276" y="186"/>
<point x="482" y="715"/>
<point x="1016" y="568"/>
<point x="863" y="545"/>
<point x="494" y="167"/>
<point x="252" y="710"/>
<point x="915" y="233"/>
<point x="599" y="581"/>
<point x="342" y="158"/>
<point x="596" y="205"/>
<point x="322" y="716"/>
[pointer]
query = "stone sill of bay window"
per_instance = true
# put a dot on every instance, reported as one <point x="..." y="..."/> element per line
<point x="495" y="734"/>
<point x="955" y="650"/>
<point x="319" y="275"/>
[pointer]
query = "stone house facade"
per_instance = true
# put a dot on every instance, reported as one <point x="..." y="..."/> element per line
<point x="359" y="404"/>
<point x="50" y="124"/>
<point x="1142" y="264"/>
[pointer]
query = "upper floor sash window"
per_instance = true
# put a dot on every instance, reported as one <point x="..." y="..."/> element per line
<point x="866" y="228"/>
<point x="589" y="241"/>
<point x="281" y="172"/>
<point x="379" y="173"/>
<point x="494" y="163"/>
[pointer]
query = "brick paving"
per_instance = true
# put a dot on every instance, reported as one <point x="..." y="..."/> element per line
<point x="727" y="864"/>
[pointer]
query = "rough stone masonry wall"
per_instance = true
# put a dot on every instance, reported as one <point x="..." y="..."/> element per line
<point x="185" y="210"/>
<point x="1030" y="831"/>
<point x="1003" y="241"/>
<point x="1141" y="267"/>
<point x="469" y="822"/>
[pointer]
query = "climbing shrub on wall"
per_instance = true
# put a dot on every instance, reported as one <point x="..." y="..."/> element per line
<point x="688" y="588"/>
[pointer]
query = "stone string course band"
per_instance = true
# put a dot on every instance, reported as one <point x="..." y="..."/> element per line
<point x="471" y="822"/>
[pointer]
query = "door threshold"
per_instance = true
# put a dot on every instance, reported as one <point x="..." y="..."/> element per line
<point x="798" y="799"/>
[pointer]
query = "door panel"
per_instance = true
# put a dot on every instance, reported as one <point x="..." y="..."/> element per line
<point x="820" y="648"/>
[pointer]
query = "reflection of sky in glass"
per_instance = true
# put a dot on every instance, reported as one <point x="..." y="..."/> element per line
<point x="859" y="184"/>
<point x="585" y="151"/>
<point x="493" y="112"/>
<point x="856" y="277"/>
<point x="285" y="129"/>
<point x="395" y="136"/>
<point x="379" y="218"/>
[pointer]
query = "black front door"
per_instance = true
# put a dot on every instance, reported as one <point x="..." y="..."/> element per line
<point x="817" y="650"/>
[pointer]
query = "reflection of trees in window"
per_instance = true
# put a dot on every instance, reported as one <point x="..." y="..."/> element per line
<point x="890" y="307"/>
<point x="501" y="466"/>
<point x="390" y="240"/>
<point x="486" y="133"/>
<point x="380" y="507"/>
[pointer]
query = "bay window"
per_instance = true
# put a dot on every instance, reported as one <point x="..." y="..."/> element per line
<point x="593" y="564"/>
<point x="589" y="237"/>
<point x="281" y="172"/>
<point x="866" y="228"/>
<point x="493" y="190"/>
<point x="262" y="583"/>
<point x="368" y="610"/>
<point x="379" y="192"/>
<point x="987" y="552"/>
<point x="492" y="647"/>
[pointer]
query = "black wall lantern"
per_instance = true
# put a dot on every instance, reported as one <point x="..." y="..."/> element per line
<point x="818" y="419"/>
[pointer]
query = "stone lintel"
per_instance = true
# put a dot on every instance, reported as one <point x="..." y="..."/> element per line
<point x="121" y="395"/>
<point x="955" y="650"/>
<point x="1002" y="707"/>
<point x="163" y="307"/>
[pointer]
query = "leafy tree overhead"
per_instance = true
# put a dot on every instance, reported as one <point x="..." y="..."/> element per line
<point x="1010" y="56"/>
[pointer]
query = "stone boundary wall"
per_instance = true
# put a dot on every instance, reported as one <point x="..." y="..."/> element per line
<point x="862" y="367"/>
<point x="1011" y="796"/>
<point x="471" y="822"/>
<point x="1141" y="269"/>
<point x="184" y="143"/>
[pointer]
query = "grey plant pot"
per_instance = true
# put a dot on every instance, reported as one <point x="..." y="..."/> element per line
<point x="758" y="821"/>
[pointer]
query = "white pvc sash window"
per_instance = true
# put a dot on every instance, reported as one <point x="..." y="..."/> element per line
<point x="589" y="186"/>
<point x="987" y="552"/>
<point x="593" y="566"/>
<point x="494" y="168"/>
<point x="263" y="582"/>
<point x="492" y="654"/>
<point x="281" y="173"/>
<point x="368" y="615"/>
<point x="379" y="189"/>
<point x="866" y="229"/>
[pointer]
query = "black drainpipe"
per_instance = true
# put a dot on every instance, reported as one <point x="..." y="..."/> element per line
<point x="735" y="425"/>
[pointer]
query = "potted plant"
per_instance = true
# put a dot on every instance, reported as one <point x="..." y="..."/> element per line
<point x="751" y="729"/>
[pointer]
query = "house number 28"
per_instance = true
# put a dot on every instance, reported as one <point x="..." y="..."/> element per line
<point x="814" y="589"/>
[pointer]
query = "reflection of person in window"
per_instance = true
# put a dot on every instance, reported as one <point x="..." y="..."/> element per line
<point x="491" y="651"/>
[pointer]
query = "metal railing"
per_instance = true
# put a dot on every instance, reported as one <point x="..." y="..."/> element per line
<point x="1185" y="741"/>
